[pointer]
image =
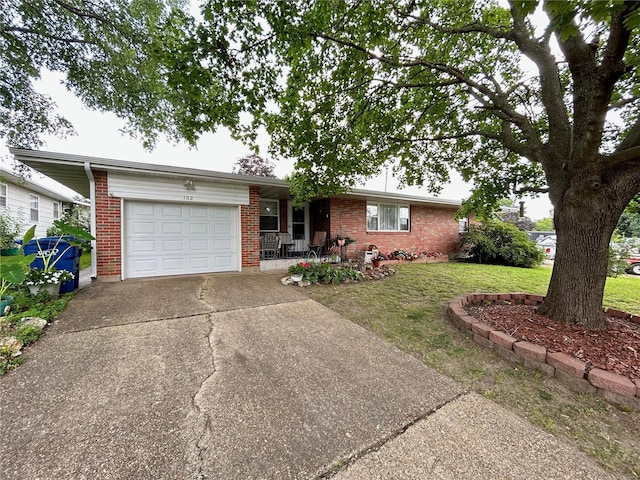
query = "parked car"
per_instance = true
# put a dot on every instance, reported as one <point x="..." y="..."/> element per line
<point x="634" y="264"/>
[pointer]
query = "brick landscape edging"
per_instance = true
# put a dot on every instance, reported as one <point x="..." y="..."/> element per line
<point x="569" y="370"/>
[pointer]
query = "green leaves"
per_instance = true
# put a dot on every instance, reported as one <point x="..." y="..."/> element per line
<point x="13" y="269"/>
<point x="77" y="233"/>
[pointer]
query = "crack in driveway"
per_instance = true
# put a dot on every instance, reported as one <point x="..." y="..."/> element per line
<point x="203" y="439"/>
<point x="342" y="464"/>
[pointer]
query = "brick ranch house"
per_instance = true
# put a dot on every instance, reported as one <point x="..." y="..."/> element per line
<point x="155" y="220"/>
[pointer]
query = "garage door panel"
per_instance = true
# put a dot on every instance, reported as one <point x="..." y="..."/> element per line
<point x="172" y="246"/>
<point x="201" y="264"/>
<point x="172" y="265"/>
<point x="169" y="211"/>
<point x="168" y="239"/>
<point x="144" y="227"/>
<point x="143" y="246"/>
<point x="142" y="266"/>
<point x="143" y="209"/>
<point x="173" y="228"/>
<point x="199" y="212"/>
<point x="222" y="229"/>
<point x="200" y="245"/>
<point x="222" y="262"/>
<point x="222" y="245"/>
<point x="199" y="228"/>
<point x="222" y="213"/>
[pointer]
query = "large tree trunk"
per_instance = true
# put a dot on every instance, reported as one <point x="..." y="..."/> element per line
<point x="584" y="228"/>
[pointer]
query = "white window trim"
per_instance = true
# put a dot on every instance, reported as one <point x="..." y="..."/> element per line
<point x="277" y="215"/>
<point x="56" y="214"/>
<point x="398" y="206"/>
<point x="31" y="209"/>
<point x="4" y="194"/>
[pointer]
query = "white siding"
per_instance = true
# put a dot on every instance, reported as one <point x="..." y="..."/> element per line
<point x="18" y="207"/>
<point x="141" y="187"/>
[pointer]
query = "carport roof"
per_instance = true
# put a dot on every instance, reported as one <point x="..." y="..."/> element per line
<point x="70" y="170"/>
<point x="11" y="177"/>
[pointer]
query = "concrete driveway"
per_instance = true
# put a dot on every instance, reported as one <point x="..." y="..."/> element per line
<point x="239" y="377"/>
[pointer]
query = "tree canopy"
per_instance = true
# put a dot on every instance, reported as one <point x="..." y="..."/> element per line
<point x="253" y="164"/>
<point x="345" y="87"/>
<point x="107" y="53"/>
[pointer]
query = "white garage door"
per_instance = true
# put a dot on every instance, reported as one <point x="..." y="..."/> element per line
<point x="176" y="239"/>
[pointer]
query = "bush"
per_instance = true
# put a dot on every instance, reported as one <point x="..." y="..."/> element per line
<point x="323" y="272"/>
<point x="501" y="244"/>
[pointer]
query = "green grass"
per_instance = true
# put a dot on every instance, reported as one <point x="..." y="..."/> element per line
<point x="85" y="260"/>
<point x="408" y="311"/>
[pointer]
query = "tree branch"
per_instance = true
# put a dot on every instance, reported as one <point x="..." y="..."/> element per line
<point x="508" y="141"/>
<point x="39" y="33"/>
<point x="471" y="28"/>
<point x="632" y="139"/>
<point x="623" y="103"/>
<point x="532" y="190"/>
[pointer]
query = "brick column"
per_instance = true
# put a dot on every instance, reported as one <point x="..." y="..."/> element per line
<point x="108" y="229"/>
<point x="250" y="228"/>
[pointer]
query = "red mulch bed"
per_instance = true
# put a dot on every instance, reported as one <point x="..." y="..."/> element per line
<point x="616" y="349"/>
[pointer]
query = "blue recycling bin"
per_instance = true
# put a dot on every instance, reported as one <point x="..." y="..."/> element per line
<point x="70" y="258"/>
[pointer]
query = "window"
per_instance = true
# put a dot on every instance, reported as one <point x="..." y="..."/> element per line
<point x="387" y="218"/>
<point x="56" y="210"/>
<point x="3" y="195"/>
<point x="269" y="216"/>
<point x="463" y="225"/>
<point x="34" y="206"/>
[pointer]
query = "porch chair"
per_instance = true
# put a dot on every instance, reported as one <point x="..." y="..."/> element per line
<point x="286" y="242"/>
<point x="317" y="244"/>
<point x="269" y="245"/>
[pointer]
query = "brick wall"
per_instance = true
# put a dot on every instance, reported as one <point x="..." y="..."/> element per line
<point x="108" y="228"/>
<point x="250" y="228"/>
<point x="432" y="228"/>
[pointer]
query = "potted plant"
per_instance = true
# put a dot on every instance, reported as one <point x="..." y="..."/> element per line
<point x="10" y="230"/>
<point x="298" y="270"/>
<point x="49" y="280"/>
<point x="49" y="252"/>
<point x="13" y="271"/>
<point x="334" y="253"/>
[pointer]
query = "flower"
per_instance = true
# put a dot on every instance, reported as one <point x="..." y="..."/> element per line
<point x="50" y="277"/>
<point x="299" y="268"/>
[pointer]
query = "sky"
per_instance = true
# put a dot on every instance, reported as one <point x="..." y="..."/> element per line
<point x="98" y="135"/>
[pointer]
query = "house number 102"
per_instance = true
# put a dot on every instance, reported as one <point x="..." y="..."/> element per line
<point x="188" y="197"/>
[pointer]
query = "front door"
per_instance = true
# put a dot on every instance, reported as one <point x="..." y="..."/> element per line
<point x="298" y="225"/>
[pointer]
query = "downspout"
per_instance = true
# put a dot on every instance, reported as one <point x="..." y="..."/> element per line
<point x="92" y="208"/>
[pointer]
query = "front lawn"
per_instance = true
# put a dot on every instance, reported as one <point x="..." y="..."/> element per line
<point x="408" y="311"/>
<point x="85" y="259"/>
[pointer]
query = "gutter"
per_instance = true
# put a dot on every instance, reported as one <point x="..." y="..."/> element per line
<point x="92" y="193"/>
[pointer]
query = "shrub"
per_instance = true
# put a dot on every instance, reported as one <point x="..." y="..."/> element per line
<point x="501" y="244"/>
<point x="323" y="272"/>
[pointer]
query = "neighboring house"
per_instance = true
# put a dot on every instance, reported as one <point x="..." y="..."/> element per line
<point x="153" y="220"/>
<point x="546" y="241"/>
<point x="30" y="203"/>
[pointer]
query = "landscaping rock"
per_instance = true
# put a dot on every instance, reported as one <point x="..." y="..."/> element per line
<point x="13" y="344"/>
<point x="35" y="321"/>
